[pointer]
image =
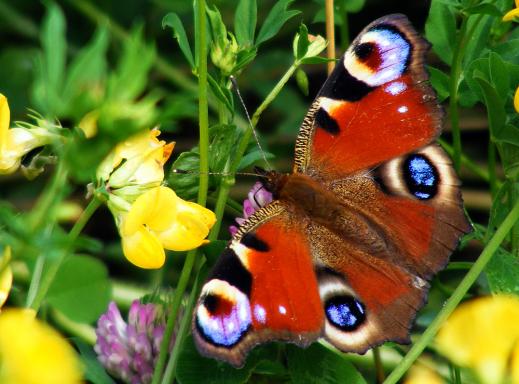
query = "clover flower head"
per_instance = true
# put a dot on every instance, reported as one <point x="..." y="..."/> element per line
<point x="129" y="350"/>
<point x="257" y="197"/>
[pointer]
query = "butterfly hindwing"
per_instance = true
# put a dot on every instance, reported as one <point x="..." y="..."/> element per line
<point x="254" y="293"/>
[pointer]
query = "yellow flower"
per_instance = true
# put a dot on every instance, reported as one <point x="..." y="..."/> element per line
<point x="511" y="15"/>
<point x="6" y="276"/>
<point x="160" y="219"/>
<point x="16" y="142"/>
<point x="138" y="161"/>
<point x="481" y="334"/>
<point x="31" y="352"/>
<point x="420" y="374"/>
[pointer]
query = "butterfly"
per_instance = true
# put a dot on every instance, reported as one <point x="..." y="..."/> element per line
<point x="371" y="211"/>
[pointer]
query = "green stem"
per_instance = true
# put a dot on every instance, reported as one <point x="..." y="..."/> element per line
<point x="244" y="142"/>
<point x="457" y="296"/>
<point x="84" y="331"/>
<point x="172" y="316"/>
<point x="49" y="273"/>
<point x="50" y="197"/>
<point x="379" y="367"/>
<point x="203" y="108"/>
<point x="455" y="77"/>
<point x="344" y="29"/>
<point x="169" y="373"/>
<point x="18" y="22"/>
<point x="203" y="116"/>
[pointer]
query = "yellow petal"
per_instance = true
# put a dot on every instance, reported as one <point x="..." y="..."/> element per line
<point x="156" y="208"/>
<point x="511" y="15"/>
<point x="88" y="124"/>
<point x="420" y="374"/>
<point x="143" y="249"/>
<point x="33" y="353"/>
<point x="186" y="232"/>
<point x="5" y="116"/>
<point x="6" y="276"/>
<point x="516" y="100"/>
<point x="205" y="215"/>
<point x="515" y="365"/>
<point x="480" y="334"/>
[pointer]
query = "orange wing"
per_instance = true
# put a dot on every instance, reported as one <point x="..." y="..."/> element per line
<point x="262" y="288"/>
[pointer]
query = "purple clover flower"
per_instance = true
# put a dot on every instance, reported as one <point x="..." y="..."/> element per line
<point x="129" y="350"/>
<point x="257" y="197"/>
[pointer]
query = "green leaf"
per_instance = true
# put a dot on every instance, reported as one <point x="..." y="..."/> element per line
<point x="94" y="371"/>
<point x="495" y="107"/>
<point x="502" y="272"/>
<point x="223" y="139"/>
<point x="186" y="185"/>
<point x="53" y="64"/>
<point x="81" y="288"/>
<point x="87" y="73"/>
<point x="277" y="17"/>
<point x="131" y="76"/>
<point x="218" y="29"/>
<point x="245" y="22"/>
<point x="499" y="75"/>
<point x="484" y="9"/>
<point x="509" y="50"/>
<point x="440" y="29"/>
<point x="192" y="368"/>
<point x="478" y="44"/>
<point x="253" y="156"/>
<point x="222" y="93"/>
<point x="351" y="6"/>
<point x="319" y="365"/>
<point x="440" y="82"/>
<point x="245" y="56"/>
<point x="301" y="42"/>
<point x="173" y="21"/>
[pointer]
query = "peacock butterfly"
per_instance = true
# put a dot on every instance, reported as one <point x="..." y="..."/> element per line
<point x="371" y="211"/>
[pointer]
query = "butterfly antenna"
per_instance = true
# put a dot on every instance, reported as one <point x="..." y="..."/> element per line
<point x="189" y="172"/>
<point x="235" y="85"/>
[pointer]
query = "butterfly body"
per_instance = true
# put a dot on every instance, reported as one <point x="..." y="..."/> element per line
<point x="371" y="210"/>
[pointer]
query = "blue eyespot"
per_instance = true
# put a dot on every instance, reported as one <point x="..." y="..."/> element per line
<point x="345" y="312"/>
<point x="421" y="176"/>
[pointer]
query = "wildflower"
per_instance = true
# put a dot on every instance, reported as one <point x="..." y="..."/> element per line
<point x="129" y="350"/>
<point x="420" y="374"/>
<point x="257" y="197"/>
<point x="138" y="161"/>
<point x="512" y="14"/>
<point x="17" y="142"/>
<point x="482" y="334"/>
<point x="160" y="219"/>
<point x="31" y="352"/>
<point x="6" y="276"/>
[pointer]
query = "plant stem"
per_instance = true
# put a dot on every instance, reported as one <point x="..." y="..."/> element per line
<point x="203" y="108"/>
<point x="49" y="273"/>
<point x="492" y="168"/>
<point x="455" y="76"/>
<point x="379" y="367"/>
<point x="330" y="34"/>
<point x="244" y="142"/>
<point x="457" y="296"/>
<point x="345" y="33"/>
<point x="169" y="373"/>
<point x="203" y="115"/>
<point x="172" y="315"/>
<point x="50" y="197"/>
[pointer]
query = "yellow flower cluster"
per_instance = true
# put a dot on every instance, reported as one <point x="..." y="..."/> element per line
<point x="17" y="142"/>
<point x="511" y="15"/>
<point x="150" y="217"/>
<point x="483" y="334"/>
